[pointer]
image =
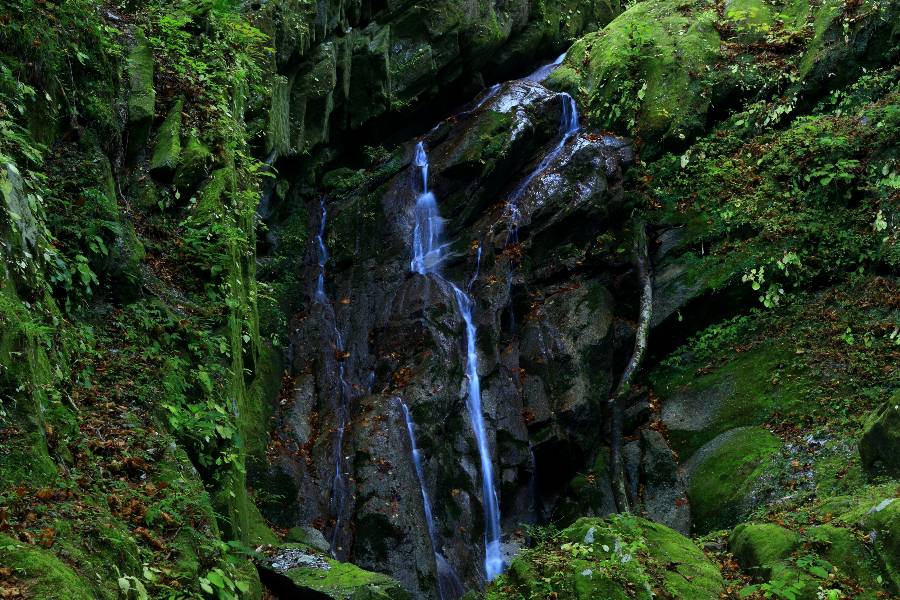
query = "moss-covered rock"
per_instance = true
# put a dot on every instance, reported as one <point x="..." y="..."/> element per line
<point x="822" y="557"/>
<point x="742" y="392"/>
<point x="194" y="164"/>
<point x="844" y="548"/>
<point x="882" y="521"/>
<point x="646" y="70"/>
<point x="142" y="95"/>
<point x="723" y="474"/>
<point x="619" y="558"/>
<point x="662" y="70"/>
<point x="759" y="546"/>
<point x="48" y="578"/>
<point x="313" y="571"/>
<point x="879" y="446"/>
<point x="167" y="150"/>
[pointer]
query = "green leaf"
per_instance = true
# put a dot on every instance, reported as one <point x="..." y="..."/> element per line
<point x="215" y="579"/>
<point x="818" y="571"/>
<point x="204" y="585"/>
<point x="124" y="585"/>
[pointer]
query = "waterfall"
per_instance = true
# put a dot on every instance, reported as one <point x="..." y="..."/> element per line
<point x="449" y="585"/>
<point x="321" y="298"/>
<point x="339" y="487"/>
<point x="493" y="561"/>
<point x="568" y="127"/>
<point x="429" y="226"/>
<point x="427" y="248"/>
<point x="543" y="72"/>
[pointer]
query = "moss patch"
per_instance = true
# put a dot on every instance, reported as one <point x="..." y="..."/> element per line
<point x="622" y="557"/>
<point x="48" y="578"/>
<point x="722" y="476"/>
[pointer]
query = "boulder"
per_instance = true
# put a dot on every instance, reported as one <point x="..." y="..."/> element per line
<point x="167" y="150"/>
<point x="612" y="559"/>
<point x="142" y="95"/>
<point x="882" y="522"/>
<point x="879" y="446"/>
<point x="724" y="476"/>
<point x="759" y="546"/>
<point x="315" y="574"/>
<point x="664" y="493"/>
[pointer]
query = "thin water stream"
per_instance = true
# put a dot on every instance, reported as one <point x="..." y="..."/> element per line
<point x="428" y="253"/>
<point x="339" y="486"/>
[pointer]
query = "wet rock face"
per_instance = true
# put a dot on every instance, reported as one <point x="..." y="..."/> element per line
<point x="344" y="63"/>
<point x="544" y="340"/>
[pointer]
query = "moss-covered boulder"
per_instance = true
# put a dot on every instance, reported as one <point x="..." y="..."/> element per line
<point x="313" y="571"/>
<point x="820" y="558"/>
<point x="196" y="160"/>
<point x="36" y="573"/>
<point x="619" y="558"/>
<point x="759" y="546"/>
<point x="882" y="521"/>
<point x="847" y="550"/>
<point x="742" y="392"/>
<point x="661" y="71"/>
<point x="142" y="95"/>
<point x="879" y="446"/>
<point x="723" y="475"/>
<point x="167" y="150"/>
<point x="646" y="69"/>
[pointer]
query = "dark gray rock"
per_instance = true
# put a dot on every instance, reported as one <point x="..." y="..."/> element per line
<point x="664" y="498"/>
<point x="879" y="446"/>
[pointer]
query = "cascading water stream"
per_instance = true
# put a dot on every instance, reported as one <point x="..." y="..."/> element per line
<point x="339" y="487"/>
<point x="428" y="253"/>
<point x="321" y="298"/>
<point x="429" y="226"/>
<point x="568" y="128"/>
<point x="449" y="585"/>
<point x="543" y="72"/>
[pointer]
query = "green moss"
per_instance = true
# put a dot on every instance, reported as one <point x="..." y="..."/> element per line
<point x="142" y="96"/>
<point x="847" y="40"/>
<point x="195" y="161"/>
<point x="884" y="520"/>
<point x="262" y="395"/>
<point x="212" y="194"/>
<point x="879" y="446"/>
<point x="622" y="557"/>
<point x="278" y="139"/>
<point x="168" y="144"/>
<point x="842" y="548"/>
<point x="724" y="474"/>
<point x="25" y="377"/>
<point x="48" y="578"/>
<point x="743" y="392"/>
<point x="643" y="72"/>
<point x="344" y="581"/>
<point x="342" y="181"/>
<point x="759" y="546"/>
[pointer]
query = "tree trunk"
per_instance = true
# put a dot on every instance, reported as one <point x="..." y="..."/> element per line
<point x="614" y="403"/>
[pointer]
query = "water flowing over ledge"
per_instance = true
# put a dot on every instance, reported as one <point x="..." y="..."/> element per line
<point x="428" y="253"/>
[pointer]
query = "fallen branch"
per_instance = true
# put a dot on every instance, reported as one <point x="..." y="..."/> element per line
<point x="614" y="403"/>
